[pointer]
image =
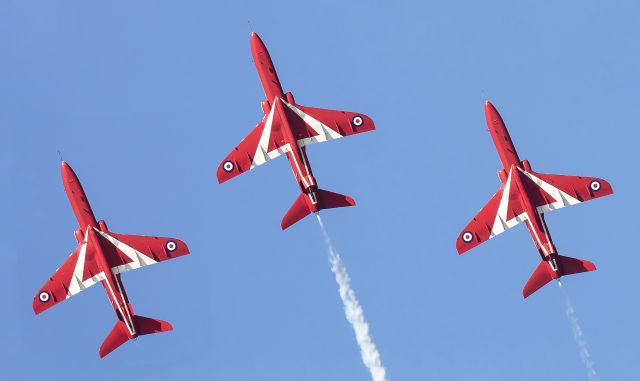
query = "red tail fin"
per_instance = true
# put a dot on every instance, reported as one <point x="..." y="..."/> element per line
<point x="301" y="206"/>
<point x="543" y="274"/>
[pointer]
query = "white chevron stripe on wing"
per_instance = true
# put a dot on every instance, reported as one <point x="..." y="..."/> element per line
<point x="562" y="198"/>
<point x="77" y="284"/>
<point x="323" y="131"/>
<point x="501" y="224"/>
<point x="263" y="154"/>
<point x="137" y="258"/>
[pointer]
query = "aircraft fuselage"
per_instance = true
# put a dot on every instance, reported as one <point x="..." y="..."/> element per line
<point x="89" y="231"/>
<point x="296" y="154"/>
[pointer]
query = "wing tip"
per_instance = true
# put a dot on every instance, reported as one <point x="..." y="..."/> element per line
<point x="39" y="305"/>
<point x="350" y="200"/>
<point x="461" y="249"/>
<point x="221" y="175"/>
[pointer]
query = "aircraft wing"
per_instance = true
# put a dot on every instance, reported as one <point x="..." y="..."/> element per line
<point x="77" y="273"/>
<point x="264" y="143"/>
<point x="316" y="125"/>
<point x="129" y="252"/>
<point x="502" y="212"/>
<point x="550" y="192"/>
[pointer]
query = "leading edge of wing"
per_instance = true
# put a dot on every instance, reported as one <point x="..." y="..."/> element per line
<point x="262" y="144"/>
<point x="502" y="212"/>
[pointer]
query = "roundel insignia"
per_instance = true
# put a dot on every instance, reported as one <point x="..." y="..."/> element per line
<point x="171" y="246"/>
<point x="44" y="296"/>
<point x="357" y="121"/>
<point x="595" y="185"/>
<point x="467" y="236"/>
<point x="228" y="166"/>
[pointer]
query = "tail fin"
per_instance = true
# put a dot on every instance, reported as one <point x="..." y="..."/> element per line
<point x="120" y="333"/>
<point x="118" y="336"/>
<point x="302" y="205"/>
<point x="543" y="274"/>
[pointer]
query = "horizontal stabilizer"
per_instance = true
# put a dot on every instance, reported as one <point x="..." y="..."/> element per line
<point x="302" y="207"/>
<point x="298" y="211"/>
<point x="570" y="265"/>
<point x="543" y="274"/>
<point x="118" y="336"/>
<point x="120" y="333"/>
<point x="330" y="200"/>
<point x="146" y="326"/>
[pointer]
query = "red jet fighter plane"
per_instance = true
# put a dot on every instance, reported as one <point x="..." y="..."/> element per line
<point x="289" y="128"/>
<point x="524" y="196"/>
<point x="101" y="256"/>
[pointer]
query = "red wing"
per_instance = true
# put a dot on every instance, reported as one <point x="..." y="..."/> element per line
<point x="130" y="252"/>
<point x="316" y="125"/>
<point x="77" y="273"/>
<point x="503" y="211"/>
<point x="262" y="144"/>
<point x="551" y="192"/>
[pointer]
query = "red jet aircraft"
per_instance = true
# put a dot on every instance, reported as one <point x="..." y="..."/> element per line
<point x="524" y="196"/>
<point x="101" y="256"/>
<point x="288" y="128"/>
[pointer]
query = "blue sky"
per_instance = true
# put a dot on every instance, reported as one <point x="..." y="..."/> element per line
<point x="144" y="99"/>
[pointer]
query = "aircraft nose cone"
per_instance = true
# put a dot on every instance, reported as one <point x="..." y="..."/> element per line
<point x="256" y="41"/>
<point x="64" y="167"/>
<point x="67" y="171"/>
<point x="488" y="104"/>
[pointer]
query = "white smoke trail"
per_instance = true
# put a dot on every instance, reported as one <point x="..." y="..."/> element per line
<point x="577" y="335"/>
<point x="354" y="312"/>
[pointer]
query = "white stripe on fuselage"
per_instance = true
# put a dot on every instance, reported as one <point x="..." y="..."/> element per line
<point x="115" y="300"/>
<point x="77" y="284"/>
<point x="561" y="199"/>
<point x="262" y="151"/>
<point x="535" y="234"/>
<point x="124" y="304"/>
<point x="128" y="321"/>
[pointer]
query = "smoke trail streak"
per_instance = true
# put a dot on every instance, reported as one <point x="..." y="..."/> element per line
<point x="354" y="312"/>
<point x="577" y="335"/>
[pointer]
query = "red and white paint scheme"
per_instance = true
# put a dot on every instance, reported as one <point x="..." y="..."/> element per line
<point x="525" y="196"/>
<point x="101" y="257"/>
<point x="288" y="128"/>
